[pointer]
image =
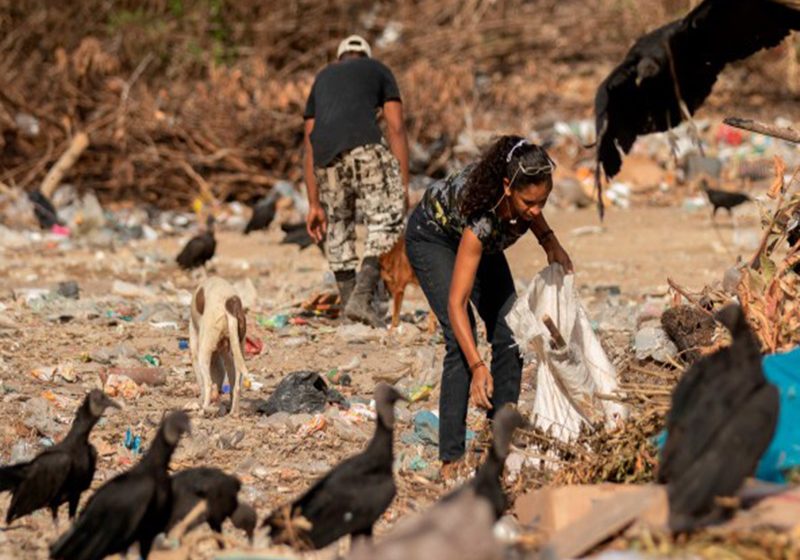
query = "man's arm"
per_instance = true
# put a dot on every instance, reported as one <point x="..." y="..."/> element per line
<point x="398" y="142"/>
<point x="316" y="221"/>
<point x="308" y="165"/>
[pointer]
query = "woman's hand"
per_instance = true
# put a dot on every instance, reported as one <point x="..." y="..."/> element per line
<point x="482" y="387"/>
<point x="556" y="254"/>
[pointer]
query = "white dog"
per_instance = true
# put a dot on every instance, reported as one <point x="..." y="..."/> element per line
<point x="216" y="339"/>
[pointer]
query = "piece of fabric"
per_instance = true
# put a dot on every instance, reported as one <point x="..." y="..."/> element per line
<point x="343" y="103"/>
<point x="441" y="206"/>
<point x="372" y="174"/>
<point x="432" y="254"/>
<point x="569" y="381"/>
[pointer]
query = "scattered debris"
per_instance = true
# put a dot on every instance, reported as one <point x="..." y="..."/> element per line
<point x="301" y="391"/>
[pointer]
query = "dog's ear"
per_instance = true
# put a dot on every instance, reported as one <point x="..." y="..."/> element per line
<point x="200" y="301"/>
<point x="233" y="305"/>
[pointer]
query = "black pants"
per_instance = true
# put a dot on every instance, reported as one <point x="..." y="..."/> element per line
<point x="433" y="255"/>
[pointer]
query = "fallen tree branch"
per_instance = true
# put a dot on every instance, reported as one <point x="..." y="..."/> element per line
<point x="53" y="178"/>
<point x="691" y="299"/>
<point x="788" y="134"/>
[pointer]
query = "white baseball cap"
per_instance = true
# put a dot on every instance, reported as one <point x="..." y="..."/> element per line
<point x="354" y="43"/>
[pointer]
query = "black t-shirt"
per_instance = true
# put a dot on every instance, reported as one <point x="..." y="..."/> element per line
<point x="343" y="103"/>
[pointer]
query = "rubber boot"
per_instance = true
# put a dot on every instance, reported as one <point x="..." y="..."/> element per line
<point x="359" y="308"/>
<point x="346" y="282"/>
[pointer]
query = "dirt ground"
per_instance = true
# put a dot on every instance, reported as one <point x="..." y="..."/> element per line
<point x="636" y="250"/>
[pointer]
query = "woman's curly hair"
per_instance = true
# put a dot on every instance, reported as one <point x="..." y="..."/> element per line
<point x="508" y="157"/>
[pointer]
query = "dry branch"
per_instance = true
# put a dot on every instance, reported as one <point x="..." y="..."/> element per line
<point x="53" y="178"/>
<point x="788" y="134"/>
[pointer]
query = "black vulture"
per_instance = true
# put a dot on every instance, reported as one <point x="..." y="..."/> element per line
<point x="460" y="525"/>
<point x="219" y="490"/>
<point x="722" y="418"/>
<point x="351" y="497"/>
<point x="60" y="473"/>
<point x="263" y="213"/>
<point x="640" y="95"/>
<point x="723" y="199"/>
<point x="487" y="481"/>
<point x="199" y="249"/>
<point x="44" y="210"/>
<point x="134" y="506"/>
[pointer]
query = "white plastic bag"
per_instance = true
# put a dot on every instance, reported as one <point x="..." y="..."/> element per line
<point x="570" y="381"/>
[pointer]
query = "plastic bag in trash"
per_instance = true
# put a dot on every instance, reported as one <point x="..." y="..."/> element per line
<point x="301" y="392"/>
<point x="571" y="380"/>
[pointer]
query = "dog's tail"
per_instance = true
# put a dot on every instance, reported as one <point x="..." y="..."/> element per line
<point x="237" y="329"/>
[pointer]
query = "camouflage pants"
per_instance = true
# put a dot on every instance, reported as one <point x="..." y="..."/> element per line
<point x="369" y="173"/>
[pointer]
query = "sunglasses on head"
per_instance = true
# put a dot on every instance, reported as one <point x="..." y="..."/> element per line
<point x="535" y="170"/>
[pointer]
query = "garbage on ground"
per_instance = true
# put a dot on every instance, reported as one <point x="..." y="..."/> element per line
<point x="274" y="322"/>
<point x="294" y="341"/>
<point x="121" y="386"/>
<point x="690" y="328"/>
<point x="317" y="424"/>
<point x="22" y="451"/>
<point x="652" y="343"/>
<point x="151" y="360"/>
<point x="253" y="346"/>
<point x="68" y="289"/>
<point x="133" y="442"/>
<point x="59" y="401"/>
<point x="360" y="412"/>
<point x="338" y="377"/>
<point x="574" y="519"/>
<point x="301" y="392"/>
<point x="325" y="304"/>
<point x="183" y="344"/>
<point x="571" y="378"/>
<point x="356" y="333"/>
<point x="420" y="393"/>
<point x="159" y="313"/>
<point x="37" y="414"/>
<point x="65" y="371"/>
<point x="153" y="376"/>
<point x="426" y="429"/>
<point x="113" y="354"/>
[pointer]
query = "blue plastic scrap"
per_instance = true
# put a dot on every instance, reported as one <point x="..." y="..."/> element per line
<point x="783" y="453"/>
<point x="134" y="443"/>
<point x="426" y="430"/>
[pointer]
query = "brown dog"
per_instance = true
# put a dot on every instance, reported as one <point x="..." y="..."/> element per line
<point x="397" y="273"/>
<point x="216" y="339"/>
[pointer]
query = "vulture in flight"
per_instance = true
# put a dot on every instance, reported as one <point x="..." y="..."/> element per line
<point x="668" y="73"/>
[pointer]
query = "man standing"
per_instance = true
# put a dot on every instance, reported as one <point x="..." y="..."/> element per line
<point x="345" y="159"/>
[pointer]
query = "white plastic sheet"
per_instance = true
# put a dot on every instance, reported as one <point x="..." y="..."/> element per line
<point x="570" y="381"/>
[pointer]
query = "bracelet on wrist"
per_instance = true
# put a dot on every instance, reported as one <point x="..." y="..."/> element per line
<point x="477" y="364"/>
